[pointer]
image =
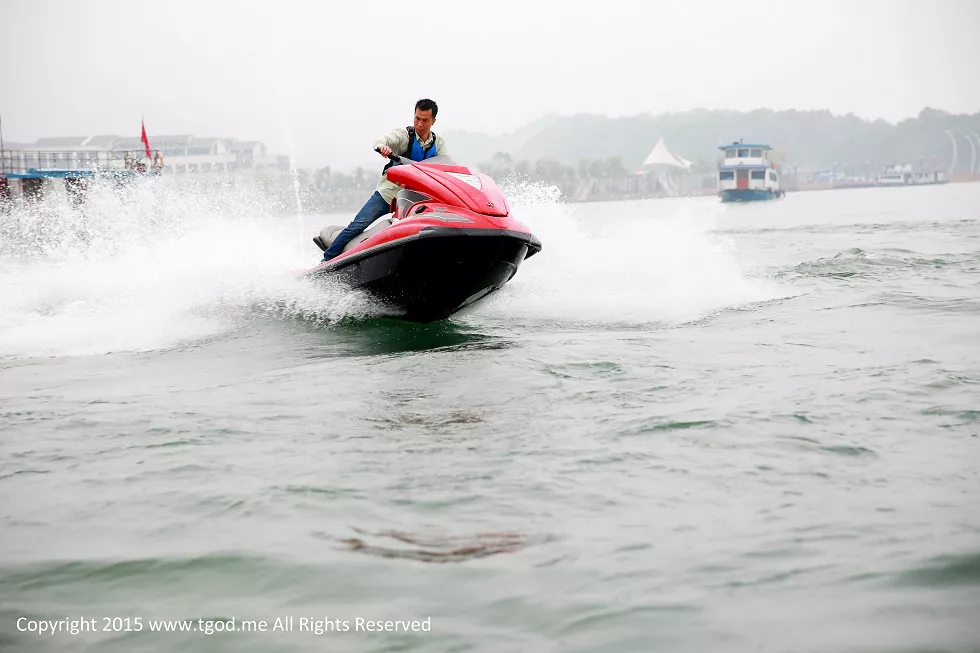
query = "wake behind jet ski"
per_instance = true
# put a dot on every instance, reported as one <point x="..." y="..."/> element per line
<point x="448" y="242"/>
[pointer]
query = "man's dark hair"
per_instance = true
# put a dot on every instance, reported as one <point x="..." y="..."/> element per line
<point x="427" y="105"/>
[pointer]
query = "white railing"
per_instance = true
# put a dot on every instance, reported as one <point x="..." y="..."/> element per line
<point x="25" y="161"/>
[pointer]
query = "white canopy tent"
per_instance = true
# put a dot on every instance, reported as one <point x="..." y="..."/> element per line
<point x="659" y="165"/>
<point x="661" y="156"/>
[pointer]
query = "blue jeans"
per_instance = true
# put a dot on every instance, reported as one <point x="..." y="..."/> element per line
<point x="373" y="209"/>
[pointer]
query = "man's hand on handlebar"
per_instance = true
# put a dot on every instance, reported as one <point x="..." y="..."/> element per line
<point x="385" y="151"/>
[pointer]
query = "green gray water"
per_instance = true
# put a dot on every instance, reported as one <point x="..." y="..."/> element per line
<point x="683" y="427"/>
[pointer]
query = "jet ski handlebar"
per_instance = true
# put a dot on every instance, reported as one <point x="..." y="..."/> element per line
<point x="397" y="160"/>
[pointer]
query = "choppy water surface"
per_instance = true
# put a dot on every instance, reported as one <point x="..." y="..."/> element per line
<point x="684" y="426"/>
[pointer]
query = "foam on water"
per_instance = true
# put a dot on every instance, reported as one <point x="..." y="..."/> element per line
<point x="671" y="267"/>
<point x="156" y="265"/>
<point x="151" y="268"/>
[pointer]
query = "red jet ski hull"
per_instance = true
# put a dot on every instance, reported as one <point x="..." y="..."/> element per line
<point x="452" y="243"/>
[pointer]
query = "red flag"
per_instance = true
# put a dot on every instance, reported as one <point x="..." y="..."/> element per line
<point x="145" y="141"/>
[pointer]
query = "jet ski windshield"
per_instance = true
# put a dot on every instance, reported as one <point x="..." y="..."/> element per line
<point x="442" y="159"/>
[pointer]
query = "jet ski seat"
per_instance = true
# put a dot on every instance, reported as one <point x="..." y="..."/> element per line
<point x="328" y="233"/>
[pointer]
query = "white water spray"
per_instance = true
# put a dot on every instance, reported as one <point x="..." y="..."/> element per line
<point x="623" y="262"/>
<point x="156" y="265"/>
<point x="152" y="266"/>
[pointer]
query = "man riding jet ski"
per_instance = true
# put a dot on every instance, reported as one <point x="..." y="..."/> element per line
<point x="448" y="242"/>
<point x="417" y="143"/>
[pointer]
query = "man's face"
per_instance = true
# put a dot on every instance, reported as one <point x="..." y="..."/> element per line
<point x="423" y="121"/>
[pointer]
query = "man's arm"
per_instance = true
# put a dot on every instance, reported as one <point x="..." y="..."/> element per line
<point x="440" y="146"/>
<point x="396" y="140"/>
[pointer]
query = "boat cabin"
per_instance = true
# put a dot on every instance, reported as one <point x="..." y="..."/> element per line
<point x="747" y="167"/>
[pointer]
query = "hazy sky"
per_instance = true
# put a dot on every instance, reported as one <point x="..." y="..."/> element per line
<point x="321" y="80"/>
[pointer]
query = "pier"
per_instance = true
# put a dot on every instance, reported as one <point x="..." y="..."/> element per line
<point x="29" y="169"/>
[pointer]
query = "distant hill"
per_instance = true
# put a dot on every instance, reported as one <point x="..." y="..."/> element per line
<point x="808" y="139"/>
<point x="474" y="146"/>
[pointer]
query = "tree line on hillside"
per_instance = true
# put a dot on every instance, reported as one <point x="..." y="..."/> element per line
<point x="501" y="166"/>
<point x="580" y="151"/>
<point x="806" y="140"/>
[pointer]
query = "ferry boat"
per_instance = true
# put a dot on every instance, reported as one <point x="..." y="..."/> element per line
<point x="746" y="174"/>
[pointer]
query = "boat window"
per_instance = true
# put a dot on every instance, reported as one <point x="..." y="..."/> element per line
<point x="772" y="176"/>
<point x="759" y="174"/>
<point x="730" y="154"/>
<point x="757" y="154"/>
<point x="726" y="176"/>
<point x="742" y="153"/>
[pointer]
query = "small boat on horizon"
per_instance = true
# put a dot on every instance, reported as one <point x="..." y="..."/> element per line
<point x="746" y="174"/>
<point x="904" y="175"/>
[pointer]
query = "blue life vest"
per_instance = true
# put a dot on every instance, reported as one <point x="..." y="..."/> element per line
<point x="415" y="151"/>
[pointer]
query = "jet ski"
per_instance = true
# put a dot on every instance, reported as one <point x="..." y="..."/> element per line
<point x="449" y="241"/>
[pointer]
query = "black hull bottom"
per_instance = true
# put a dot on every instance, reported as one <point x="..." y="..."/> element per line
<point x="434" y="275"/>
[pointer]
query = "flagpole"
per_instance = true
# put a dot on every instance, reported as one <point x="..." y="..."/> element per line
<point x="3" y="159"/>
